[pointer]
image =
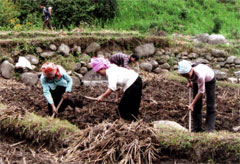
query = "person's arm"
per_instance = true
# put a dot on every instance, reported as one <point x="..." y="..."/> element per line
<point x="105" y="94"/>
<point x="125" y="62"/>
<point x="46" y="90"/>
<point x="117" y="95"/>
<point x="197" y="97"/>
<point x="69" y="85"/>
<point x="201" y="91"/>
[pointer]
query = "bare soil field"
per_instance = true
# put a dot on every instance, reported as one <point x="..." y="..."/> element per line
<point x="162" y="100"/>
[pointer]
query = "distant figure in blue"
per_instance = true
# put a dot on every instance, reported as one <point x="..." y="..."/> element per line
<point x="47" y="12"/>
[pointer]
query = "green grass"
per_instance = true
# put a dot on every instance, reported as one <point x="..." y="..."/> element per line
<point x="178" y="16"/>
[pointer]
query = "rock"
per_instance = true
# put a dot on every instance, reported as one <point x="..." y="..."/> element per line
<point x="23" y="63"/>
<point x="154" y="64"/>
<point x="220" y="75"/>
<point x="89" y="66"/>
<point x="33" y="59"/>
<point x="146" y="66"/>
<point x="83" y="70"/>
<point x="92" y="78"/>
<point x="237" y="73"/>
<point x="76" y="49"/>
<point x="231" y="59"/>
<point x="193" y="55"/>
<point x="29" y="78"/>
<point x="158" y="53"/>
<point x="77" y="67"/>
<point x="76" y="82"/>
<point x="145" y="50"/>
<point x="236" y="128"/>
<point x="165" y="66"/>
<point x="64" y="49"/>
<point x="208" y="57"/>
<point x="157" y="70"/>
<point x="218" y="53"/>
<point x="80" y="76"/>
<point x="93" y="47"/>
<point x="53" y="47"/>
<point x="216" y="39"/>
<point x="237" y="61"/>
<point x="201" y="60"/>
<point x="168" y="124"/>
<point x="220" y="59"/>
<point x="202" y="38"/>
<point x="232" y="80"/>
<point x="7" y="69"/>
<point x="39" y="50"/>
<point x="47" y="54"/>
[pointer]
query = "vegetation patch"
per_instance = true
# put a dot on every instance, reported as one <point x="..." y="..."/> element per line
<point x="53" y="132"/>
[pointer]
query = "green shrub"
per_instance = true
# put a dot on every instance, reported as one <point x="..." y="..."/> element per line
<point x="8" y="12"/>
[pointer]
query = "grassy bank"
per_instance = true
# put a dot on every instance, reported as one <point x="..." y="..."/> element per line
<point x="187" y="17"/>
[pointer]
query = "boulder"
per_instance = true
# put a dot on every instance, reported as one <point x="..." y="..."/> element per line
<point x="231" y="59"/>
<point x="76" y="82"/>
<point x="145" y="50"/>
<point x="92" y="78"/>
<point x="146" y="66"/>
<point x="203" y="38"/>
<point x="93" y="47"/>
<point x="83" y="70"/>
<point x="165" y="66"/>
<point x="39" y="50"/>
<point x="33" y="59"/>
<point x="29" y="78"/>
<point x="217" y="39"/>
<point x="47" y="54"/>
<point x="76" y="49"/>
<point x="53" y="47"/>
<point x="218" y="53"/>
<point x="64" y="49"/>
<point x="168" y="124"/>
<point x="7" y="69"/>
<point x="220" y="75"/>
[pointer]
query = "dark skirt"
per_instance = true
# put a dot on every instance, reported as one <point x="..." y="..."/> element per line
<point x="129" y="105"/>
<point x="57" y="96"/>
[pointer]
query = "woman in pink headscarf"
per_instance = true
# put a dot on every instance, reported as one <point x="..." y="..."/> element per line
<point x="129" y="80"/>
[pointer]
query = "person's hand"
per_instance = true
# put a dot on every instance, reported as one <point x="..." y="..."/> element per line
<point x="65" y="95"/>
<point x="116" y="100"/>
<point x="100" y="98"/>
<point x="190" y="107"/>
<point x="54" y="109"/>
<point x="189" y="84"/>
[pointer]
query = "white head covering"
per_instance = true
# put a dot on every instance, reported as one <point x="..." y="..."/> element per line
<point x="184" y="67"/>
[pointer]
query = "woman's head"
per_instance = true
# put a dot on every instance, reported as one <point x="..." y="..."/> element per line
<point x="100" y="65"/>
<point x="49" y="70"/>
<point x="184" y="68"/>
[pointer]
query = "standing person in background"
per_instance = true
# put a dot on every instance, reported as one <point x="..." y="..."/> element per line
<point x="47" y="12"/>
<point x="202" y="78"/>
<point x="122" y="60"/>
<point x="56" y="84"/>
<point x="130" y="81"/>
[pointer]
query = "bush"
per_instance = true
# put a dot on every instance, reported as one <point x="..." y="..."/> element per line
<point x="67" y="14"/>
<point x="8" y="12"/>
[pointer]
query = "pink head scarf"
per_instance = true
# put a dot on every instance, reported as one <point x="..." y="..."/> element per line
<point x="99" y="63"/>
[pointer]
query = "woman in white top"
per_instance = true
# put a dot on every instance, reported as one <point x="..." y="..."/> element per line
<point x="202" y="78"/>
<point x="128" y="79"/>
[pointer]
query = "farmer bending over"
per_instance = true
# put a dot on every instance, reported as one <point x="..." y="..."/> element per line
<point x="130" y="81"/>
<point x="122" y="60"/>
<point x="56" y="85"/>
<point x="202" y="78"/>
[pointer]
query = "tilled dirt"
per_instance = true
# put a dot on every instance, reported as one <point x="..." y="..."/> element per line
<point x="162" y="100"/>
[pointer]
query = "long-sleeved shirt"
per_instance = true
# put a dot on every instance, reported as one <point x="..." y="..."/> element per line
<point x="65" y="80"/>
<point x="120" y="59"/>
<point x="203" y="74"/>
<point x="119" y="76"/>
